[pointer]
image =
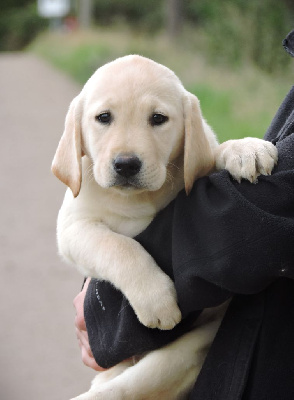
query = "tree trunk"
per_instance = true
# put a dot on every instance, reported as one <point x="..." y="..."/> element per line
<point x="174" y="16"/>
<point x="85" y="13"/>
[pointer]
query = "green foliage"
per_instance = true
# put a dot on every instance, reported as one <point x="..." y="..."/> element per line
<point x="240" y="30"/>
<point x="235" y="103"/>
<point x="18" y="26"/>
<point x="234" y="30"/>
<point x="80" y="61"/>
<point x="9" y="4"/>
<point x="218" y="108"/>
<point x="230" y="32"/>
<point x="271" y="21"/>
<point x="143" y="15"/>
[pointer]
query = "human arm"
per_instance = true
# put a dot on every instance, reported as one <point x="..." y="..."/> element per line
<point x="224" y="238"/>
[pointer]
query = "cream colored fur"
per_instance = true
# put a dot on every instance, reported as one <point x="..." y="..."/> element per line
<point x="101" y="211"/>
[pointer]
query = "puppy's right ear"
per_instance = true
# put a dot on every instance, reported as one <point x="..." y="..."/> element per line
<point x="66" y="164"/>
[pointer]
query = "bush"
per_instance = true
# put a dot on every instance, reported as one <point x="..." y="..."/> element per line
<point x="235" y="30"/>
<point x="241" y="30"/>
<point x="18" y="26"/>
<point x="145" y="15"/>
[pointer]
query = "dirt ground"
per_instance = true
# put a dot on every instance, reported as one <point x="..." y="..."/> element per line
<point x="39" y="356"/>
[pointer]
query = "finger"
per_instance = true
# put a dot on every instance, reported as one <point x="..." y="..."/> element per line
<point x="84" y="340"/>
<point x="79" y="299"/>
<point x="90" y="361"/>
<point x="86" y="354"/>
<point x="80" y="321"/>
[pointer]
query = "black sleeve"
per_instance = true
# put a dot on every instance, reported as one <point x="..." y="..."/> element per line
<point x="223" y="238"/>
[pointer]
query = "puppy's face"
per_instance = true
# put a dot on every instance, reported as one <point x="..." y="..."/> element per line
<point x="132" y="124"/>
<point x="133" y="118"/>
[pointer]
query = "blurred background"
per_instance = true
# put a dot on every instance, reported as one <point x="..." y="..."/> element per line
<point x="227" y="52"/>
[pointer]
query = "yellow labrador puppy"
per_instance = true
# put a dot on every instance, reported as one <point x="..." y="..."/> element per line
<point x="133" y="138"/>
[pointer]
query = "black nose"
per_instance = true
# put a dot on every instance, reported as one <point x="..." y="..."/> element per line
<point x="126" y="165"/>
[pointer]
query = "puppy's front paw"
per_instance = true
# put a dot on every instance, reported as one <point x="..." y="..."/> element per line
<point x="156" y="306"/>
<point x="246" y="158"/>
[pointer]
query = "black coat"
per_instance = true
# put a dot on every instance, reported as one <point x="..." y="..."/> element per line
<point x="223" y="239"/>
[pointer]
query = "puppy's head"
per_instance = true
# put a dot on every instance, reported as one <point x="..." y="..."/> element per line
<point x="132" y="118"/>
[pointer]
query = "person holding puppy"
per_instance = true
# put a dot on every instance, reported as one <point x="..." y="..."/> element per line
<point x="225" y="240"/>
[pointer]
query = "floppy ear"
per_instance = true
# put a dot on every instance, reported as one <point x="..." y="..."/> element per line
<point x="66" y="164"/>
<point x="198" y="156"/>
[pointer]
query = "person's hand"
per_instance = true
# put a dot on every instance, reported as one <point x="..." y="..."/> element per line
<point x="81" y="330"/>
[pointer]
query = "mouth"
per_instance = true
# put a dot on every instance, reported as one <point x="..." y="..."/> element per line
<point x="127" y="184"/>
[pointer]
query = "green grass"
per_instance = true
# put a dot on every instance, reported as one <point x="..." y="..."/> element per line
<point x="79" y="61"/>
<point x="218" y="110"/>
<point x="235" y="102"/>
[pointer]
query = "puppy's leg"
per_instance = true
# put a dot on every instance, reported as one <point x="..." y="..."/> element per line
<point x="168" y="373"/>
<point x="246" y="158"/>
<point x="110" y="374"/>
<point x="101" y="253"/>
<point x="103" y="377"/>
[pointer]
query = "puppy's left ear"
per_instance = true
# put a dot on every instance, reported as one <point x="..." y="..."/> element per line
<point x="66" y="164"/>
<point x="198" y="156"/>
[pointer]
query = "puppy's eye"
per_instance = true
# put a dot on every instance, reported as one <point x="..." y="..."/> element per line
<point x="158" y="119"/>
<point x="104" y="118"/>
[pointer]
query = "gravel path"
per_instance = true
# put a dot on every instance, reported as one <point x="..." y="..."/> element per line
<point x="39" y="356"/>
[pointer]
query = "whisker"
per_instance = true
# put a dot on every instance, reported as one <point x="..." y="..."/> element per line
<point x="170" y="178"/>
<point x="89" y="174"/>
<point x="173" y="165"/>
<point x="89" y="168"/>
<point x="91" y="179"/>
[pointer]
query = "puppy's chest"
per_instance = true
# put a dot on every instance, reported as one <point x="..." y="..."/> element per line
<point x="129" y="221"/>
